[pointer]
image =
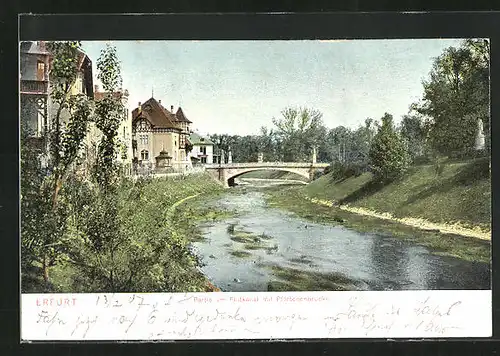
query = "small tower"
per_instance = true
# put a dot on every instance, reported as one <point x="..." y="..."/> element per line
<point x="480" y="135"/>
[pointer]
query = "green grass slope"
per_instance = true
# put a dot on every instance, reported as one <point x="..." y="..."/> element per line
<point x="461" y="193"/>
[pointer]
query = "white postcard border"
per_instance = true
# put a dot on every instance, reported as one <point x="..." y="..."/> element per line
<point x="256" y="315"/>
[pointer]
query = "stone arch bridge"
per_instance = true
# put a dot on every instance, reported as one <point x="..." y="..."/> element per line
<point x="226" y="173"/>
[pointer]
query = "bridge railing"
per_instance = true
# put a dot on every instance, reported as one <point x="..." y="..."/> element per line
<point x="267" y="165"/>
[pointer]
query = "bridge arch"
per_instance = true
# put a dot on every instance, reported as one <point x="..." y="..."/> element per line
<point x="232" y="174"/>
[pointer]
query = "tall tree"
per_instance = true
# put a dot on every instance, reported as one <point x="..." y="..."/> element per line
<point x="103" y="252"/>
<point x="413" y="133"/>
<point x="456" y="96"/>
<point x="299" y="130"/>
<point x="44" y="230"/>
<point x="388" y="155"/>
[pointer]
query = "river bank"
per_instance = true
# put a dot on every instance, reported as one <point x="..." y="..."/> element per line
<point x="456" y="228"/>
<point x="295" y="200"/>
<point x="155" y="250"/>
<point x="269" y="247"/>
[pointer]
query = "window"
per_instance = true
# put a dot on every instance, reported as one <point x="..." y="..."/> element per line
<point x="203" y="159"/>
<point x="144" y="139"/>
<point x="40" y="125"/>
<point x="144" y="155"/>
<point x="143" y="125"/>
<point x="40" y="71"/>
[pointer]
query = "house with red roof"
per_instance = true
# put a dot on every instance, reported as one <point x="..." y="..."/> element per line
<point x="160" y="136"/>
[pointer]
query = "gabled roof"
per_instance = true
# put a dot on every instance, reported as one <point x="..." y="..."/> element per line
<point x="158" y="116"/>
<point x="33" y="47"/>
<point x="181" y="117"/>
<point x="196" y="139"/>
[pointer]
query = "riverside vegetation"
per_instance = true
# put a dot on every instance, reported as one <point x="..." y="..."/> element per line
<point x="101" y="232"/>
<point x="84" y="226"/>
<point x="154" y="257"/>
<point x="459" y="196"/>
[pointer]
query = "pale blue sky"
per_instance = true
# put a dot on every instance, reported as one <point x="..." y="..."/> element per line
<point x="236" y="87"/>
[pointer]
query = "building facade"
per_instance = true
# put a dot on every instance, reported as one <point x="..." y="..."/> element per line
<point x="158" y="133"/>
<point x="202" y="151"/>
<point x="37" y="108"/>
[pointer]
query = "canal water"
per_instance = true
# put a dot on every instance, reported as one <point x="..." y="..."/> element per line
<point x="239" y="254"/>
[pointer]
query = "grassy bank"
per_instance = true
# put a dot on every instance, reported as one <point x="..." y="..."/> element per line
<point x="407" y="197"/>
<point x="460" y="194"/>
<point x="153" y="214"/>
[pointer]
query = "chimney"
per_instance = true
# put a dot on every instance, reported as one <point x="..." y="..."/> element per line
<point x="172" y="108"/>
<point x="41" y="45"/>
<point x="159" y="101"/>
<point x="139" y="106"/>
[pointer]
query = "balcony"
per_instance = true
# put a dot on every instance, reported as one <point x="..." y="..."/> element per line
<point x="36" y="87"/>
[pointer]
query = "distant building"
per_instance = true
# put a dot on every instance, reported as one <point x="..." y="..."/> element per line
<point x="159" y="133"/>
<point x="203" y="149"/>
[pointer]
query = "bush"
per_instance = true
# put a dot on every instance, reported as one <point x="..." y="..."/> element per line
<point x="317" y="174"/>
<point x="423" y="160"/>
<point x="341" y="171"/>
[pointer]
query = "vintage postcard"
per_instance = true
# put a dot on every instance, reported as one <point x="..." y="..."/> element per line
<point x="255" y="189"/>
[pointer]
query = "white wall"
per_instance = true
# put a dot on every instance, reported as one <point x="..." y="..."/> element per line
<point x="197" y="150"/>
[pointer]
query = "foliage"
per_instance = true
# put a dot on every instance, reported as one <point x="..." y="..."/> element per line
<point x="108" y="115"/>
<point x="299" y="130"/>
<point x="101" y="249"/>
<point x="149" y="252"/>
<point x="388" y="155"/>
<point x="341" y="171"/>
<point x="456" y="96"/>
<point x="413" y="134"/>
<point x="43" y="210"/>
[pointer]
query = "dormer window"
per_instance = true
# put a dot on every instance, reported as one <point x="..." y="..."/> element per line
<point x="143" y="125"/>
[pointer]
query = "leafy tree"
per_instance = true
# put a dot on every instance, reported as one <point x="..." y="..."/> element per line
<point x="43" y="212"/>
<point x="108" y="115"/>
<point x="299" y="130"/>
<point x="456" y="96"/>
<point x="413" y="134"/>
<point x="101" y="251"/>
<point x="388" y="156"/>
<point x="341" y="139"/>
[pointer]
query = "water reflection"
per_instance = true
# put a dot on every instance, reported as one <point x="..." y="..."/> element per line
<point x="238" y="253"/>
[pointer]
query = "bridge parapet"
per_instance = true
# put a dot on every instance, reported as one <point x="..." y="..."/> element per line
<point x="268" y="165"/>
